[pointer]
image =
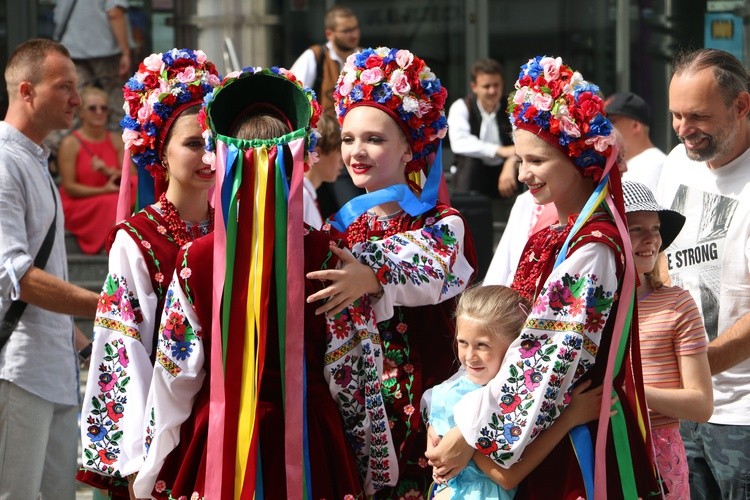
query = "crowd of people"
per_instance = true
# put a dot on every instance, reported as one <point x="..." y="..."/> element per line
<point x="246" y="344"/>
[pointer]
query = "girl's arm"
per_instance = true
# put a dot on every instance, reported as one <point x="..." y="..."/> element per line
<point x="422" y="266"/>
<point x="694" y="400"/>
<point x="583" y="408"/>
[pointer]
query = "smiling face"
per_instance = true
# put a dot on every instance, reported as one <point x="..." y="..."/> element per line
<point x="702" y="120"/>
<point x="550" y="175"/>
<point x="183" y="155"/>
<point x="374" y="149"/>
<point x="480" y="351"/>
<point x="645" y="236"/>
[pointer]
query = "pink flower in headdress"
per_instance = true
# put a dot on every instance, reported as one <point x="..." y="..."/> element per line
<point x="200" y="56"/>
<point x="551" y="67"/>
<point x="602" y="142"/>
<point x="543" y="102"/>
<point x="233" y="74"/>
<point x="520" y="96"/>
<point x="372" y="76"/>
<point x="153" y="63"/>
<point x="213" y="80"/>
<point x="399" y="83"/>
<point x="424" y="108"/>
<point x="131" y="138"/>
<point x="569" y="126"/>
<point x="144" y="112"/>
<point x="187" y="75"/>
<point x="404" y="58"/>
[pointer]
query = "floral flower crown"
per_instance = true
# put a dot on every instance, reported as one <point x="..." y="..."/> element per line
<point x="402" y="85"/>
<point x="164" y="83"/>
<point x="301" y="108"/>
<point x="558" y="105"/>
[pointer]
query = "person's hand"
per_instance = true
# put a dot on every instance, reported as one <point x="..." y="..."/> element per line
<point x="348" y="283"/>
<point x="505" y="151"/>
<point x="123" y="67"/>
<point x="585" y="404"/>
<point x="112" y="185"/>
<point x="98" y="165"/>
<point x="507" y="185"/>
<point x="449" y="456"/>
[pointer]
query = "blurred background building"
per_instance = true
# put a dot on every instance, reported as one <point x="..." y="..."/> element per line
<point x="619" y="44"/>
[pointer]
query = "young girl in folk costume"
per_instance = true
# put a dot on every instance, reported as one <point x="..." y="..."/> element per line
<point x="676" y="373"/>
<point x="163" y="136"/>
<point x="231" y="380"/>
<point x="579" y="274"/>
<point x="408" y="254"/>
<point x="488" y="319"/>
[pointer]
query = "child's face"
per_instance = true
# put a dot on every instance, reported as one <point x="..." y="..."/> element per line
<point x="374" y="149"/>
<point x="645" y="238"/>
<point x="480" y="351"/>
<point x="549" y="174"/>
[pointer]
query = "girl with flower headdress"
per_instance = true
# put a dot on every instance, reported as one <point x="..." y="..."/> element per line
<point x="239" y="353"/>
<point x="163" y="137"/>
<point x="399" y="249"/>
<point x="579" y="275"/>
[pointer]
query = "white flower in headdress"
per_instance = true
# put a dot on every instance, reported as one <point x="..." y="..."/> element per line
<point x="410" y="104"/>
<point x="382" y="51"/>
<point x="427" y="74"/>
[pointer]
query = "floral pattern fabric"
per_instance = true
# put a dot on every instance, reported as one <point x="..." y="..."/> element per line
<point x="120" y="373"/>
<point x="422" y="268"/>
<point x="178" y="377"/>
<point x="557" y="345"/>
<point x="141" y="259"/>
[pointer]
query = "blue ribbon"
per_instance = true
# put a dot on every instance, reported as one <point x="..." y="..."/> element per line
<point x="580" y="436"/>
<point x="226" y="186"/>
<point x="401" y="193"/>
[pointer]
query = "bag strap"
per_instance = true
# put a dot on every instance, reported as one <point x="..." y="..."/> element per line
<point x="63" y="26"/>
<point x="13" y="316"/>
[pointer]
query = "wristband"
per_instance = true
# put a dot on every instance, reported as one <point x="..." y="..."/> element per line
<point x="85" y="353"/>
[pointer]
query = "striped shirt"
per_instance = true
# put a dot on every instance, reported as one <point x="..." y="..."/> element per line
<point x="670" y="326"/>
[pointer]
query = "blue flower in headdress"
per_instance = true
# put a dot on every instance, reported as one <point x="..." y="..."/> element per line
<point x="382" y="94"/>
<point x="600" y="126"/>
<point x="128" y="122"/>
<point x="391" y="56"/>
<point x="162" y="110"/>
<point x="431" y="86"/>
<point x="589" y="157"/>
<point x="532" y="68"/>
<point x="542" y="119"/>
<point x="357" y="94"/>
<point x="134" y="84"/>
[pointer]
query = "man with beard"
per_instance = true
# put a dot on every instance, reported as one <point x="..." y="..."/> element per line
<point x="706" y="179"/>
<point x="318" y="67"/>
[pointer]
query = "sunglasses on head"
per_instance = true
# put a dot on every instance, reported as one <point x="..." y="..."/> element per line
<point x="100" y="107"/>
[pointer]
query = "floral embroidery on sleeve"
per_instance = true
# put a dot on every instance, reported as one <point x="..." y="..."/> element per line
<point x="118" y="308"/>
<point x="436" y="250"/>
<point x="103" y="427"/>
<point x="177" y="338"/>
<point x="558" y="344"/>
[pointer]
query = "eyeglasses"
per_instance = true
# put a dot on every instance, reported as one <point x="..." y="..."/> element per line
<point x="348" y="31"/>
<point x="100" y="107"/>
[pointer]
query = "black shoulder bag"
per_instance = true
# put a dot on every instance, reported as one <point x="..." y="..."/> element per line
<point x="10" y="321"/>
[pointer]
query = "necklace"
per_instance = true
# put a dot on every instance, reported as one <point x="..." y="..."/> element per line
<point x="368" y="226"/>
<point x="181" y="231"/>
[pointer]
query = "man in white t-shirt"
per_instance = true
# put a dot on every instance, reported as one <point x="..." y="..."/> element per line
<point x="631" y="116"/>
<point x="706" y="178"/>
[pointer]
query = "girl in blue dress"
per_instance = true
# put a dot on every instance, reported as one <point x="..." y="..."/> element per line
<point x="488" y="319"/>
